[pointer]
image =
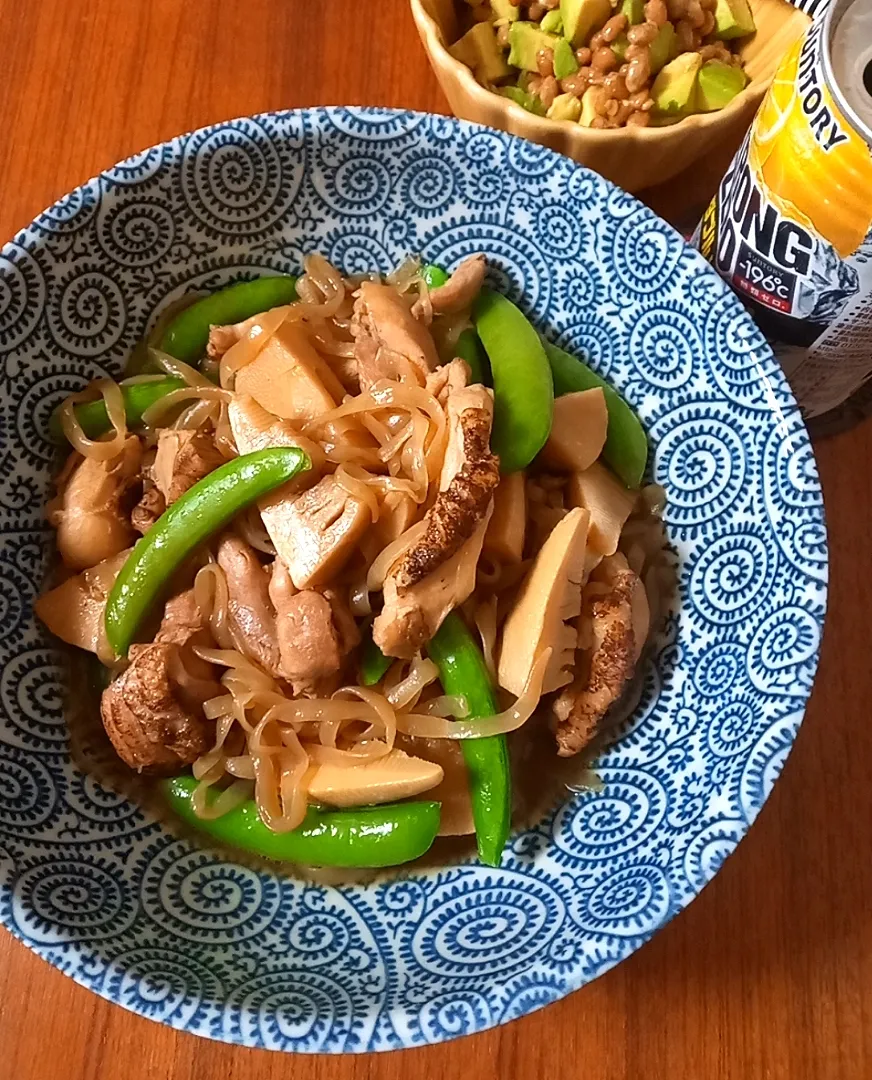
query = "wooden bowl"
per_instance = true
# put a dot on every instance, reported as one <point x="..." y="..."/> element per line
<point x="634" y="158"/>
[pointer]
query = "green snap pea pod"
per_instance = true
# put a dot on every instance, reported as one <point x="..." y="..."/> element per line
<point x="373" y="662"/>
<point x="462" y="670"/>
<point x="137" y="397"/>
<point x="523" y="390"/>
<point x="626" y="448"/>
<point x="188" y="333"/>
<point x="368" y="837"/>
<point x="141" y="361"/>
<point x="202" y="511"/>
<point x="469" y="348"/>
<point x="433" y="275"/>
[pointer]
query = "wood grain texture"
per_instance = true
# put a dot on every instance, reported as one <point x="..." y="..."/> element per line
<point x="769" y="973"/>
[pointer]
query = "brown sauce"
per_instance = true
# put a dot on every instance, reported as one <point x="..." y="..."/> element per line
<point x="541" y="781"/>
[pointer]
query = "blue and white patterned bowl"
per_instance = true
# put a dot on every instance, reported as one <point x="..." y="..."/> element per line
<point x="179" y="934"/>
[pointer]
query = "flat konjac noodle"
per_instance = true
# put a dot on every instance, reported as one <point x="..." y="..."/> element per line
<point x="341" y="556"/>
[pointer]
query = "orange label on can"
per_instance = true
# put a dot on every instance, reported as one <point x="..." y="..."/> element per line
<point x="791" y="228"/>
<point x="806" y="158"/>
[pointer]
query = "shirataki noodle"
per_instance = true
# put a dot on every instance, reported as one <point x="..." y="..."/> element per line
<point x="385" y="448"/>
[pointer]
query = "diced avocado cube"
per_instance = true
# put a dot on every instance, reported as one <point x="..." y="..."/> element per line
<point x="552" y="22"/>
<point x="565" y="63"/>
<point x="634" y="10"/>
<point x="565" y="107"/>
<point x="588" y="112"/>
<point x="480" y="51"/>
<point x="505" y="9"/>
<point x="621" y="44"/>
<point x="582" y="17"/>
<point x="662" y="48"/>
<point x="523" y="98"/>
<point x="674" y="89"/>
<point x="526" y="39"/>
<point x="718" y="84"/>
<point x="733" y="19"/>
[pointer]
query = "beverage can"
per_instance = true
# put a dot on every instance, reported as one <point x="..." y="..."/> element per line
<point x="790" y="227"/>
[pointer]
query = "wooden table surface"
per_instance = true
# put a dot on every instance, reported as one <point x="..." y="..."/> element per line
<point x="769" y="973"/>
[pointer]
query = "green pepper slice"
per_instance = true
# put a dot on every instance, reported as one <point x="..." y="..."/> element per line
<point x="364" y="838"/>
<point x="202" y="511"/>
<point x="626" y="448"/>
<point x="462" y="671"/>
<point x="523" y="389"/>
<point x="187" y="335"/>
<point x="138" y="397"/>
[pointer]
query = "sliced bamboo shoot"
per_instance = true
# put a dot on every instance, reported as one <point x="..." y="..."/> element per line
<point x="578" y="430"/>
<point x="397" y="775"/>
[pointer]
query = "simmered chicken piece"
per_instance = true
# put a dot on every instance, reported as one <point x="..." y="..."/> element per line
<point x="315" y="633"/>
<point x="183" y="458"/>
<point x="460" y="290"/>
<point x="153" y="712"/>
<point x="615" y="619"/>
<point x="469" y="476"/>
<point x="447" y="380"/>
<point x="93" y="521"/>
<point x="299" y="636"/>
<point x="434" y="575"/>
<point x="149" y="508"/>
<point x="152" y="722"/>
<point x="250" y="610"/>
<point x="390" y="342"/>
